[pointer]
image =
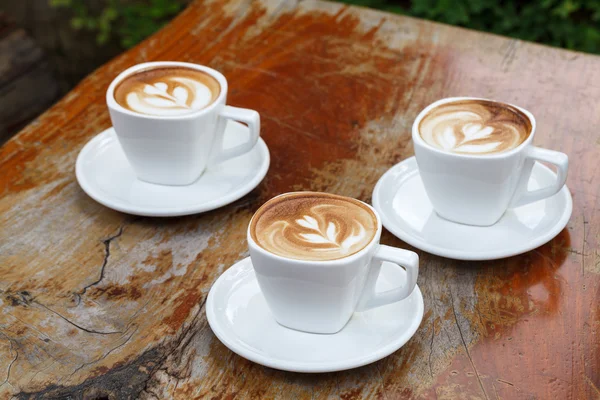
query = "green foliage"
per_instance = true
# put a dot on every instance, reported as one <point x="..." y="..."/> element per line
<point x="574" y="24"/>
<point x="128" y="20"/>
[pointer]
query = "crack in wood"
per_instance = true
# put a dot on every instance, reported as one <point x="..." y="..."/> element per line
<point x="495" y="391"/>
<point x="11" y="363"/>
<point x="42" y="370"/>
<point x="592" y="385"/>
<point x="483" y="325"/>
<point x="40" y="348"/>
<point x="135" y="314"/>
<point x="103" y="356"/>
<point x="73" y="323"/>
<point x="122" y="382"/>
<point x="431" y="348"/>
<point x="435" y="311"/>
<point x="462" y="338"/>
<point x="33" y="328"/>
<point x="509" y="55"/>
<point x="176" y="345"/>
<point x="104" y="262"/>
<point x="505" y="382"/>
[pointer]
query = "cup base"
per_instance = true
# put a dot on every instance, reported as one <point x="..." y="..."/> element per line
<point x="317" y="332"/>
<point x="240" y="318"/>
<point x="469" y="223"/>
<point x="160" y="182"/>
<point x="104" y="173"/>
<point x="406" y="211"/>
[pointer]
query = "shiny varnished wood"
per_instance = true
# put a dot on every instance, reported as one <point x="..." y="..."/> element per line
<point x="99" y="304"/>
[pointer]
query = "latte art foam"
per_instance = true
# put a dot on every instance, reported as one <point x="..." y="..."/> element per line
<point x="167" y="91"/>
<point x="313" y="226"/>
<point x="475" y="127"/>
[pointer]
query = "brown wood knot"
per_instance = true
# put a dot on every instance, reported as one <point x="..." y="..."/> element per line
<point x="21" y="298"/>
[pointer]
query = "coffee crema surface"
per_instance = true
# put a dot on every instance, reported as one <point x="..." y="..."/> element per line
<point x="477" y="127"/>
<point x="166" y="91"/>
<point x="313" y="226"/>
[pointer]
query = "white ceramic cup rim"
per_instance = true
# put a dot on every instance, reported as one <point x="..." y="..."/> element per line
<point x="325" y="263"/>
<point x="112" y="102"/>
<point x="418" y="139"/>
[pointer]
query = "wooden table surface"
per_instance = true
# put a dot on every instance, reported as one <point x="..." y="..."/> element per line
<point x="99" y="304"/>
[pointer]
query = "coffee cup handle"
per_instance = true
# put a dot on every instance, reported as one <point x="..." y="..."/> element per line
<point x="405" y="259"/>
<point x="560" y="160"/>
<point x="247" y="116"/>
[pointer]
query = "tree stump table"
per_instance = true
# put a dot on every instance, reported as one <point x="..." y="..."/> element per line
<point x="102" y="305"/>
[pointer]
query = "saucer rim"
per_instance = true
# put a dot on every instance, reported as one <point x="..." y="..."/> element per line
<point x="463" y="255"/>
<point x="146" y="211"/>
<point x="306" y="367"/>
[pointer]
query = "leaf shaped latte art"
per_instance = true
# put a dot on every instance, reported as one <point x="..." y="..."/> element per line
<point x="319" y="232"/>
<point x="330" y="236"/>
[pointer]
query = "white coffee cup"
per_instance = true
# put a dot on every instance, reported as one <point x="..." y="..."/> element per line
<point x="321" y="296"/>
<point x="175" y="150"/>
<point x="478" y="189"/>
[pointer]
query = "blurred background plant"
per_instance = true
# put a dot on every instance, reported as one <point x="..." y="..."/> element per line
<point x="131" y="22"/>
<point x="48" y="46"/>
<point x="572" y="24"/>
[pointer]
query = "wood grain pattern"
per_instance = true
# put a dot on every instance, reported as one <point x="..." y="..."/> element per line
<point x="99" y="304"/>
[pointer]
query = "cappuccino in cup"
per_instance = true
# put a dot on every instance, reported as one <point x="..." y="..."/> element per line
<point x="170" y="118"/>
<point x="475" y="126"/>
<point x="167" y="91"/>
<point x="475" y="158"/>
<point x="317" y="258"/>
<point x="313" y="226"/>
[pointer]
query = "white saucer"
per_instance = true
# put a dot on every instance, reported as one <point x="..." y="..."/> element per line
<point x="105" y="175"/>
<point x="405" y="211"/>
<point x="239" y="316"/>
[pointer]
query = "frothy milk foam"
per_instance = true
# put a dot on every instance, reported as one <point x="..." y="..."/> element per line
<point x="474" y="126"/>
<point x="167" y="91"/>
<point x="313" y="226"/>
